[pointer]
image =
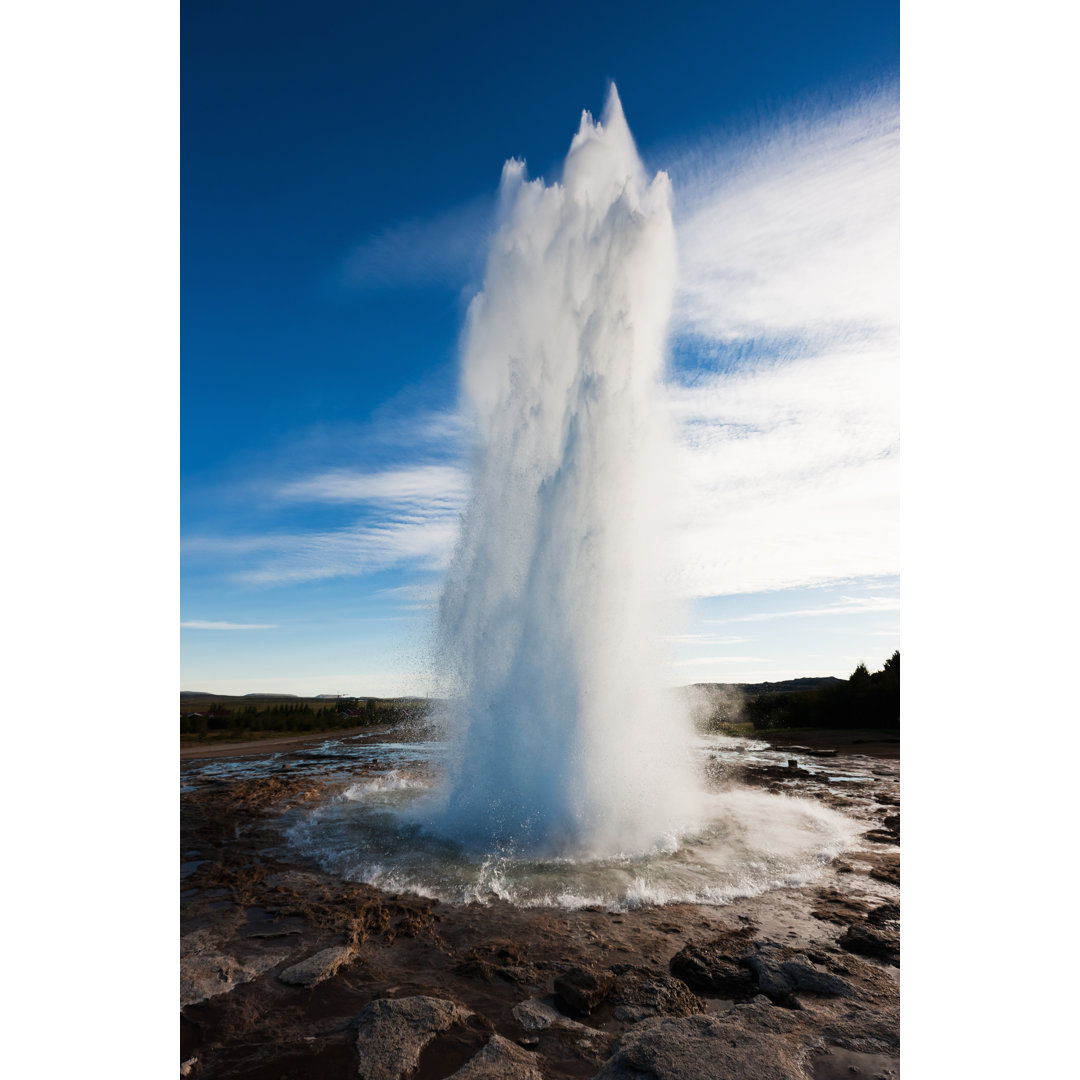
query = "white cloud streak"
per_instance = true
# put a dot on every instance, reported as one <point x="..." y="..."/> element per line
<point x="865" y="605"/>
<point x="698" y="661"/>
<point x="704" y="639"/>
<point x="417" y="541"/>
<point x="794" y="232"/>
<point x="203" y="624"/>
<point x="413" y="524"/>
<point x="788" y="474"/>
<point x="445" y="249"/>
<point x="788" y="271"/>
<point x="431" y="485"/>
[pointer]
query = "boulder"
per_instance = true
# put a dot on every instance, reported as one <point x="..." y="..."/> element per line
<point x="500" y="1060"/>
<point x="580" y="990"/>
<point x="700" y="1048"/>
<point x="392" y="1033"/>
<point x="876" y="942"/>
<point x="714" y="967"/>
<point x="640" y="993"/>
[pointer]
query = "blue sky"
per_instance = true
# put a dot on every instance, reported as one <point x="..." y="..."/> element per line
<point x="339" y="170"/>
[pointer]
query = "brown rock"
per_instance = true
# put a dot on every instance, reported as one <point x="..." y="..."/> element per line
<point x="315" y="969"/>
<point x="714" y="967"/>
<point x="640" y="993"/>
<point x="206" y="971"/>
<point x="876" y="942"/>
<point x="500" y="1060"/>
<point x="701" y="1048"/>
<point x="393" y="1032"/>
<point x="580" y="989"/>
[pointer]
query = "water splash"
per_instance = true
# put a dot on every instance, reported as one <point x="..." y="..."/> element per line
<point x="566" y="740"/>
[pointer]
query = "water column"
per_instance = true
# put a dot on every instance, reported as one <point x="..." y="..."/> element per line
<point x="566" y="741"/>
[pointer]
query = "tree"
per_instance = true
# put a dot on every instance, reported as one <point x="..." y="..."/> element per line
<point x="860" y="676"/>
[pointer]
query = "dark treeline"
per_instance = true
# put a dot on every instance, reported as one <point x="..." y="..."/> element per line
<point x="299" y="717"/>
<point x="866" y="700"/>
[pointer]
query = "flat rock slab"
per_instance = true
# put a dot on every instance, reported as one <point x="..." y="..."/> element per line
<point x="536" y="1014"/>
<point x="779" y="978"/>
<point x="734" y="966"/>
<point x="206" y="971"/>
<point x="700" y="1048"/>
<point x="500" y="1060"/>
<point x="315" y="969"/>
<point x="394" y="1031"/>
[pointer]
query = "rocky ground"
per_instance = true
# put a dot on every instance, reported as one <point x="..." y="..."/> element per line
<point x="288" y="972"/>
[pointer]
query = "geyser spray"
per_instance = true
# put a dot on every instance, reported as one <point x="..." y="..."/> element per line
<point x="567" y="742"/>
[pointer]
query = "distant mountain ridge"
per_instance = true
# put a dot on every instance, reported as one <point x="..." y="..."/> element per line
<point x="784" y="686"/>
<point x="192" y="695"/>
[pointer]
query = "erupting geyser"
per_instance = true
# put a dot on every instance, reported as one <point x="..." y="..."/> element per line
<point x="573" y="775"/>
<point x="567" y="742"/>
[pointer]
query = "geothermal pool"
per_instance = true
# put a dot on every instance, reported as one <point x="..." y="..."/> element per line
<point x="379" y="789"/>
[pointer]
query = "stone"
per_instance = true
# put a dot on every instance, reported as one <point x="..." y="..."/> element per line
<point x="884" y="915"/>
<point x="640" y="993"/>
<point x="315" y="969"/>
<point x="500" y="1059"/>
<point x="713" y="967"/>
<point x="734" y="966"/>
<point x="779" y="979"/>
<point x="206" y="971"/>
<point x="392" y="1033"/>
<point x="875" y="942"/>
<point x="887" y="870"/>
<point x="537" y="1014"/>
<point x="581" y="989"/>
<point x="701" y="1048"/>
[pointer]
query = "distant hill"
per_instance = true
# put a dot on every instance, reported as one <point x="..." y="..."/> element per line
<point x="785" y="686"/>
<point x="200" y="695"/>
<point x="325" y="701"/>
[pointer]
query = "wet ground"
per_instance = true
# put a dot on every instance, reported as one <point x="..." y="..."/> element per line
<point x="283" y="962"/>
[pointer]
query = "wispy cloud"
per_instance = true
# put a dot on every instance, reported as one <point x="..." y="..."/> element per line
<point x="445" y="249"/>
<point x="793" y="230"/>
<point x="704" y="639"/>
<point x="415" y="597"/>
<point x="788" y="474"/>
<point x="418" y="541"/>
<point x="864" y="605"/>
<point x="412" y="523"/>
<point x="203" y="624"/>
<point x="698" y="661"/>
<point x="429" y="484"/>
<point x="787" y="410"/>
